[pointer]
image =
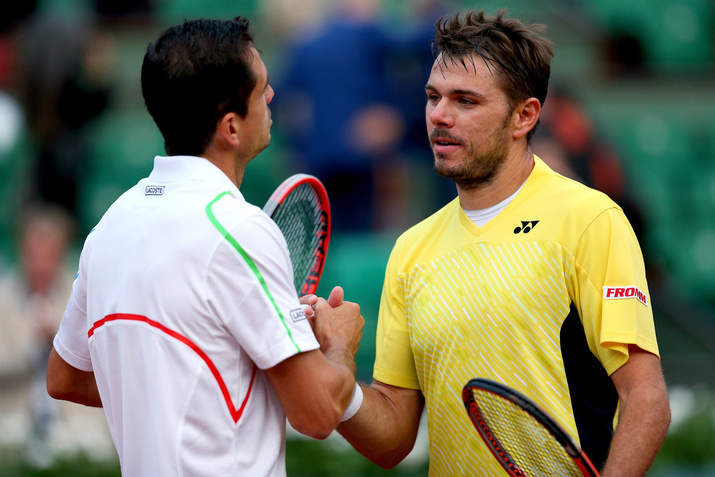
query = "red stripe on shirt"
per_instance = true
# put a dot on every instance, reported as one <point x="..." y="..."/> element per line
<point x="235" y="413"/>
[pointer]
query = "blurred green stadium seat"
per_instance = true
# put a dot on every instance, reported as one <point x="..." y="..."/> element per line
<point x="675" y="34"/>
<point x="14" y="168"/>
<point x="122" y="149"/>
<point x="174" y="11"/>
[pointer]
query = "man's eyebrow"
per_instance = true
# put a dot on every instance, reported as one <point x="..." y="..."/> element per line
<point x="458" y="91"/>
<point x="467" y="92"/>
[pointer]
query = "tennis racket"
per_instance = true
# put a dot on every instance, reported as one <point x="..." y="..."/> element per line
<point x="525" y="440"/>
<point x="300" y="208"/>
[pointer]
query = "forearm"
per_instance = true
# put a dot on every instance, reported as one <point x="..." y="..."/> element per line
<point x="385" y="428"/>
<point x="340" y="356"/>
<point x="339" y="384"/>
<point x="70" y="384"/>
<point x="329" y="384"/>
<point x="642" y="427"/>
<point x="314" y="392"/>
<point x="644" y="416"/>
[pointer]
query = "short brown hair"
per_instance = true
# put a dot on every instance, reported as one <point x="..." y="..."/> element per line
<point x="192" y="75"/>
<point x="519" y="53"/>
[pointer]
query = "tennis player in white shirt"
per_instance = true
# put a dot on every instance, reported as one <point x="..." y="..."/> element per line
<point x="184" y="323"/>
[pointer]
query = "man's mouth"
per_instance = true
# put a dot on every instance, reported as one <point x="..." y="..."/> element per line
<point x="443" y="144"/>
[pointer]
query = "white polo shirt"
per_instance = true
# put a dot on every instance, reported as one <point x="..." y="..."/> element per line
<point x="184" y="295"/>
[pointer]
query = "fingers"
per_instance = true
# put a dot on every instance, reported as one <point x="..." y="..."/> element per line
<point x="310" y="301"/>
<point x="336" y="297"/>
<point x="338" y="329"/>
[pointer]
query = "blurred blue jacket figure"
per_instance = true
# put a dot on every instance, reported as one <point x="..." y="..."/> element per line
<point x="336" y="108"/>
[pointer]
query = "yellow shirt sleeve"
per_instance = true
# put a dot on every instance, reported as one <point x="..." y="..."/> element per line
<point x="612" y="294"/>
<point x="394" y="362"/>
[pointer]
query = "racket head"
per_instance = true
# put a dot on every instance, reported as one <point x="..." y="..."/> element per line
<point x="301" y="209"/>
<point x="522" y="437"/>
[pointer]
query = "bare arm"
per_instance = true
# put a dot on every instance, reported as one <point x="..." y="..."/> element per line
<point x="644" y="415"/>
<point x="385" y="428"/>
<point x="316" y="387"/>
<point x="71" y="384"/>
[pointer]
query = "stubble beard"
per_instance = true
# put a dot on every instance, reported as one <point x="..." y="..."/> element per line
<point x="477" y="169"/>
<point x="265" y="141"/>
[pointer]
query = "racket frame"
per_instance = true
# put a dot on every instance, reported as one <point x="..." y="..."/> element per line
<point x="529" y="406"/>
<point x="310" y="284"/>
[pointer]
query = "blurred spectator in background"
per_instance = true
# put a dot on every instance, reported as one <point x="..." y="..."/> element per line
<point x="569" y="141"/>
<point x="409" y="68"/>
<point x="284" y="23"/>
<point x="124" y="12"/>
<point x="335" y="105"/>
<point x="32" y="301"/>
<point x="12" y="15"/>
<point x="65" y="68"/>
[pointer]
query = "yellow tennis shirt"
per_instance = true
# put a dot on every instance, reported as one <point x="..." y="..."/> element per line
<point x="545" y="298"/>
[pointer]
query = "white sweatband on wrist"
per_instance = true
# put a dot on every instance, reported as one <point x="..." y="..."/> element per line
<point x="354" y="405"/>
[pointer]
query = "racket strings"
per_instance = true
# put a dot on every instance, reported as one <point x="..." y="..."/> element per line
<point x="525" y="442"/>
<point x="303" y="223"/>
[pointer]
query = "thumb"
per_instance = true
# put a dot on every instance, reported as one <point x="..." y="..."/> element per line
<point x="336" y="297"/>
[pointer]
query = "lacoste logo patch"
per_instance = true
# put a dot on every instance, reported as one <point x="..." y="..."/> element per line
<point x="297" y="315"/>
<point x="618" y="293"/>
<point x="154" y="190"/>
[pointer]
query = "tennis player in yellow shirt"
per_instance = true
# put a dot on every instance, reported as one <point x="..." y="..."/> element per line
<point x="527" y="278"/>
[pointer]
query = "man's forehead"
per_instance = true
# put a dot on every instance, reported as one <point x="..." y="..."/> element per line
<point x="257" y="63"/>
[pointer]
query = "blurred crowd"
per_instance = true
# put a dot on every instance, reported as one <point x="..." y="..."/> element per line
<point x="349" y="105"/>
<point x="56" y="75"/>
<point x="349" y="100"/>
<point x="33" y="295"/>
<point x="349" y="108"/>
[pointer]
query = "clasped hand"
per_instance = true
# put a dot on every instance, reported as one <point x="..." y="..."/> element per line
<point x="335" y="322"/>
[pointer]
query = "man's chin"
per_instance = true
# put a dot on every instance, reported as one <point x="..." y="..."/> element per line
<point x="464" y="180"/>
<point x="443" y="169"/>
<point x="260" y="149"/>
<point x="265" y="145"/>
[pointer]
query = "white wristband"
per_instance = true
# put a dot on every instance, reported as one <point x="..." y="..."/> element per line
<point x="354" y="405"/>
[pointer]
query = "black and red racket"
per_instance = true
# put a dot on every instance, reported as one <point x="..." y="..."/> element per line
<point x="300" y="208"/>
<point x="525" y="440"/>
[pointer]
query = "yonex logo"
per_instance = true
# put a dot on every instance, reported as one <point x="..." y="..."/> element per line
<point x="617" y="293"/>
<point x="154" y="190"/>
<point x="526" y="226"/>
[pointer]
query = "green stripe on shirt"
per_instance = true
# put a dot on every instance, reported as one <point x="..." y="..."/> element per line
<point x="251" y="264"/>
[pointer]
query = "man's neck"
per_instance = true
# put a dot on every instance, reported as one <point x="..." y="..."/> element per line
<point x="230" y="166"/>
<point x="516" y="170"/>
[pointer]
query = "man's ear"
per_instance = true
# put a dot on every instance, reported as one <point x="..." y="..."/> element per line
<point x="228" y="130"/>
<point x="525" y="117"/>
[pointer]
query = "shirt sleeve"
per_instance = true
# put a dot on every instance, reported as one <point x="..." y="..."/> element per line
<point x="394" y="362"/>
<point x="251" y="288"/>
<point x="613" y="297"/>
<point x="71" y="341"/>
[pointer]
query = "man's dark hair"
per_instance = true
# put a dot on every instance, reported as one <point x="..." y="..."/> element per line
<point x="520" y="54"/>
<point x="193" y="74"/>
